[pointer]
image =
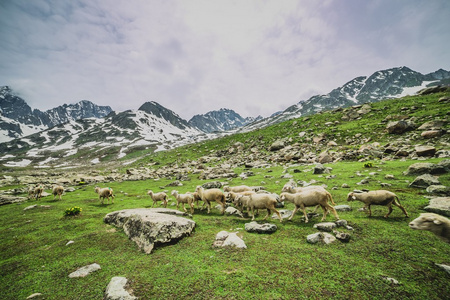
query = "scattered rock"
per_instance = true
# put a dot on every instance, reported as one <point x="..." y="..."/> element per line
<point x="212" y="185"/>
<point x="444" y="267"/>
<point x="425" y="151"/>
<point x="35" y="296"/>
<point x="116" y="290"/>
<point x="424" y="181"/>
<point x="285" y="214"/>
<point x="69" y="243"/>
<point x="440" y="190"/>
<point x="277" y="145"/>
<point x="325" y="226"/>
<point x="8" y="199"/>
<point x="320" y="169"/>
<point x="429" y="134"/>
<point x="30" y="207"/>
<point x="84" y="271"/>
<point x="342" y="236"/>
<point x="148" y="227"/>
<point x="439" y="205"/>
<point x="392" y="281"/>
<point x="399" y="127"/>
<point x="260" y="228"/>
<point x="226" y="239"/>
<point x="425" y="168"/>
<point x="323" y="237"/>
<point x="232" y="211"/>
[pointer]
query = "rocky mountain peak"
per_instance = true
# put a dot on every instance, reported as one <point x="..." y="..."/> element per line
<point x="160" y="111"/>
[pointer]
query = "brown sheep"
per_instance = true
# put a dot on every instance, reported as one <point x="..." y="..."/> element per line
<point x="309" y="198"/>
<point x="211" y="195"/>
<point x="58" y="191"/>
<point x="258" y="201"/>
<point x="105" y="193"/>
<point x="379" y="197"/>
<point x="161" y="196"/>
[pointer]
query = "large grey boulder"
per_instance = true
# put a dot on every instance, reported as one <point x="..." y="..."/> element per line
<point x="439" y="205"/>
<point x="425" y="168"/>
<point x="438" y="190"/>
<point x="277" y="145"/>
<point x="116" y="290"/>
<point x="425" y="151"/>
<point x="424" y="181"/>
<point x="399" y="127"/>
<point x="148" y="227"/>
<point x="8" y="199"/>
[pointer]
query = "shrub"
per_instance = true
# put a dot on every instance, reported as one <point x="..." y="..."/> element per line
<point x="368" y="165"/>
<point x="73" y="211"/>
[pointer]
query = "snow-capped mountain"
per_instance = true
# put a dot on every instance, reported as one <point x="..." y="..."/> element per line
<point x="91" y="139"/>
<point x="17" y="119"/>
<point x="385" y="84"/>
<point x="220" y="120"/>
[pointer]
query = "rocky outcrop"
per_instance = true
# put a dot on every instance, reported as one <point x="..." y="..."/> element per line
<point x="439" y="205"/>
<point x="149" y="227"/>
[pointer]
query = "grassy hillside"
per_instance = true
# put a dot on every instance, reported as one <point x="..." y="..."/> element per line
<point x="34" y="257"/>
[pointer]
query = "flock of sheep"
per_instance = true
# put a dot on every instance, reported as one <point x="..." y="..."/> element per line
<point x="254" y="198"/>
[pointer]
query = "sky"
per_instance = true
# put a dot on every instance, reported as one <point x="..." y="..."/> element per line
<point x="255" y="57"/>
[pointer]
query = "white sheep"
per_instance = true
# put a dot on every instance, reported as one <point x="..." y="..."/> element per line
<point x="237" y="189"/>
<point x="58" y="191"/>
<point x="307" y="198"/>
<point x="211" y="195"/>
<point x="378" y="197"/>
<point x="437" y="224"/>
<point x="184" y="198"/>
<point x="287" y="188"/>
<point x="258" y="201"/>
<point x="161" y="196"/>
<point x="105" y="193"/>
<point x="197" y="198"/>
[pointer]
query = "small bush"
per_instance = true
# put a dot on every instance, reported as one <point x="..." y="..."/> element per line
<point x="368" y="165"/>
<point x="73" y="211"/>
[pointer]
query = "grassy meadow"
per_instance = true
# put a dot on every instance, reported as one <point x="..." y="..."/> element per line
<point x="34" y="257"/>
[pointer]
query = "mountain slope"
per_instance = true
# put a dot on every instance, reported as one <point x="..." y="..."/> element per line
<point x="219" y="120"/>
<point x="17" y="119"/>
<point x="386" y="84"/>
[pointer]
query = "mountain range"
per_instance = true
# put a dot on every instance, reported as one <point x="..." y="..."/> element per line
<point x="68" y="130"/>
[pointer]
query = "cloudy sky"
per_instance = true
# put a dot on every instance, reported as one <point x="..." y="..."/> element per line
<point x="193" y="56"/>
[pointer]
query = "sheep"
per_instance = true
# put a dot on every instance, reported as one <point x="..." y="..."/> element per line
<point x="211" y="195"/>
<point x="237" y="189"/>
<point x="161" y="196"/>
<point x="437" y="224"/>
<point x="290" y="189"/>
<point x="58" y="191"/>
<point x="36" y="192"/>
<point x="258" y="201"/>
<point x="231" y="196"/>
<point x="378" y="197"/>
<point x="105" y="193"/>
<point x="197" y="198"/>
<point x="184" y="198"/>
<point x="307" y="198"/>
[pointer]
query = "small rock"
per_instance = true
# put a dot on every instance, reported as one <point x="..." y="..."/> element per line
<point x="69" y="243"/>
<point x="342" y="236"/>
<point x="320" y="237"/>
<point x="116" y="290"/>
<point x="35" y="296"/>
<point x="326" y="226"/>
<point x="425" y="150"/>
<point x="343" y="207"/>
<point x="234" y="241"/>
<point x="444" y="267"/>
<point x="260" y="228"/>
<point x="84" y="271"/>
<point x="30" y="207"/>
<point x="232" y="211"/>
<point x="391" y="280"/>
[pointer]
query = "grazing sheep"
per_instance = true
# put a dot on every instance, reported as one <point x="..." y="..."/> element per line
<point x="184" y="198"/>
<point x="379" y="197"/>
<point x="307" y="198"/>
<point x="258" y="201"/>
<point x="237" y="189"/>
<point x="437" y="224"/>
<point x="290" y="189"/>
<point x="161" y="196"/>
<point x="36" y="192"/>
<point x="197" y="198"/>
<point x="105" y="193"/>
<point x="211" y="195"/>
<point x="58" y="191"/>
<point x="231" y="196"/>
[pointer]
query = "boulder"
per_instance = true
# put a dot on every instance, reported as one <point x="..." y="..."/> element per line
<point x="446" y="268"/>
<point x="320" y="169"/>
<point x="323" y="237"/>
<point x="84" y="271"/>
<point x="425" y="168"/>
<point x="232" y="211"/>
<point x="429" y="134"/>
<point x="399" y="127"/>
<point x="342" y="236"/>
<point x="325" y="226"/>
<point x="8" y="199"/>
<point x="260" y="228"/>
<point x="226" y="239"/>
<point x="116" y="290"/>
<point x="425" y="151"/>
<point x="148" y="227"/>
<point x="432" y="125"/>
<point x="325" y="158"/>
<point x="441" y="190"/>
<point x="424" y="181"/>
<point x="277" y="145"/>
<point x="439" y="205"/>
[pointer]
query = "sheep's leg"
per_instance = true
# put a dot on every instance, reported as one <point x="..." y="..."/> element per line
<point x="253" y="213"/>
<point x="324" y="213"/>
<point x="389" y="210"/>
<point x="333" y="211"/>
<point x="278" y="214"/>
<point x="208" y="205"/>
<point x="401" y="207"/>
<point x="293" y="213"/>
<point x="268" y="213"/>
<point x="305" y="214"/>
<point x="184" y="208"/>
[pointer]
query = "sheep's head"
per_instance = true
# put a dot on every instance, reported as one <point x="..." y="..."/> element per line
<point x="226" y="188"/>
<point x="150" y="192"/>
<point x="174" y="192"/>
<point x="97" y="189"/>
<point x="351" y="196"/>
<point x="425" y="221"/>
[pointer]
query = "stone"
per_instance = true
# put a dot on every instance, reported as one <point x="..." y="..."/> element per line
<point x="397" y="127"/>
<point x="116" y="290"/>
<point x="342" y="236"/>
<point x="9" y="199"/>
<point x="69" y="243"/>
<point x="341" y="223"/>
<point x="323" y="237"/>
<point x="320" y="169"/>
<point x="446" y="268"/>
<point x="325" y="158"/>
<point x="424" y="181"/>
<point x="391" y="280"/>
<point x="148" y="227"/>
<point x="441" y="190"/>
<point x="232" y="211"/>
<point x="425" y="151"/>
<point x="431" y="125"/>
<point x="84" y="271"/>
<point x="439" y="205"/>
<point x="429" y="134"/>
<point x="277" y="145"/>
<point x="325" y="226"/>
<point x="234" y="241"/>
<point x="260" y="228"/>
<point x="35" y="296"/>
<point x="30" y="207"/>
<point x="212" y="185"/>
<point x="425" y="168"/>
<point x="285" y="214"/>
<point x="345" y="186"/>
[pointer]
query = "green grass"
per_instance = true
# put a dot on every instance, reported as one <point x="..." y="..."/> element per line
<point x="34" y="256"/>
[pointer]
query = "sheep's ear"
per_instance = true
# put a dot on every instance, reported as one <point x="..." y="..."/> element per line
<point x="437" y="222"/>
<point x="353" y="197"/>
